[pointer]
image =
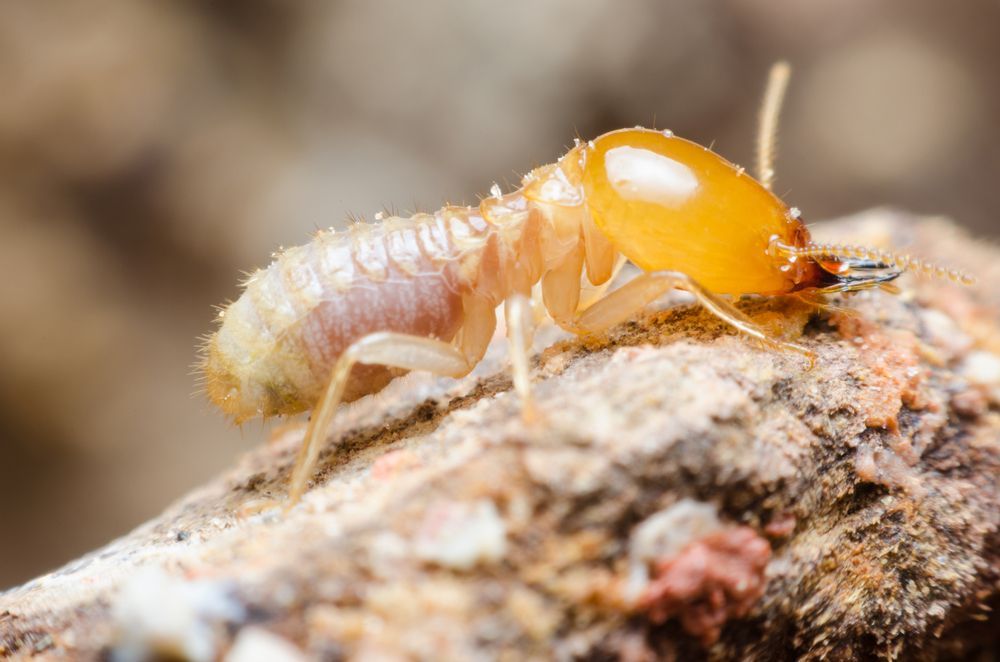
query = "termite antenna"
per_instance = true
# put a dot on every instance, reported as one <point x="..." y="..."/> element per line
<point x="767" y="131"/>
<point x="903" y="262"/>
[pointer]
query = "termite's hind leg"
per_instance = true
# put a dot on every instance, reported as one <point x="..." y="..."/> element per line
<point x="520" y="330"/>
<point x="642" y="290"/>
<point x="396" y="350"/>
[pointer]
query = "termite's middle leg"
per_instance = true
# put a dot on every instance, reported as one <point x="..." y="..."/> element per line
<point x="397" y="350"/>
<point x="521" y="322"/>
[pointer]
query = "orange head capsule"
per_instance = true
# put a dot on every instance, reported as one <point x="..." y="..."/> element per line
<point x="669" y="204"/>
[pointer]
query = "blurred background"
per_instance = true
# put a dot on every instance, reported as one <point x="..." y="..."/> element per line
<point x="150" y="152"/>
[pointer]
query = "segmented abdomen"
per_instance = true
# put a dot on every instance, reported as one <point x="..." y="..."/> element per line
<point x="278" y="342"/>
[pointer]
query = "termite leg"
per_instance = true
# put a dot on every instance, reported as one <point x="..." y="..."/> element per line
<point x="561" y="288"/>
<point x="600" y="256"/>
<point x="642" y="290"/>
<point x="396" y="350"/>
<point x="520" y="330"/>
<point x="590" y="293"/>
<point x="566" y="289"/>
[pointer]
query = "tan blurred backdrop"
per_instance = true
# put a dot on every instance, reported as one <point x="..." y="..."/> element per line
<point x="150" y="151"/>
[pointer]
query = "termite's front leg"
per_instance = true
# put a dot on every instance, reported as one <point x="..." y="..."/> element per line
<point x="561" y="288"/>
<point x="397" y="350"/>
<point x="622" y="303"/>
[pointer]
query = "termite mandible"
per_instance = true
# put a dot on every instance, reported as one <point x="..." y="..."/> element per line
<point x="339" y="317"/>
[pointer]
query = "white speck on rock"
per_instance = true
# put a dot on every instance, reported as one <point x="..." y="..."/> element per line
<point x="158" y="615"/>
<point x="665" y="534"/>
<point x="938" y="609"/>
<point x="255" y="644"/>
<point x="461" y="535"/>
<point x="944" y="333"/>
<point x="982" y="368"/>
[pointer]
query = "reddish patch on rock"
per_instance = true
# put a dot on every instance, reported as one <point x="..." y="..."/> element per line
<point x="393" y="463"/>
<point x="894" y="374"/>
<point x="781" y="525"/>
<point x="710" y="581"/>
<point x="970" y="403"/>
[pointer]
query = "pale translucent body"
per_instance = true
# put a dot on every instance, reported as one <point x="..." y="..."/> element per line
<point x="665" y="203"/>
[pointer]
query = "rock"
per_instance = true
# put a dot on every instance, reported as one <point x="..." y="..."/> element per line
<point x="848" y="511"/>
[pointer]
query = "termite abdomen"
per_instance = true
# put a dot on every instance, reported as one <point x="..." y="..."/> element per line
<point x="276" y="344"/>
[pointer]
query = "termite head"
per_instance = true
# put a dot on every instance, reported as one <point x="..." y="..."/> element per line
<point x="669" y="204"/>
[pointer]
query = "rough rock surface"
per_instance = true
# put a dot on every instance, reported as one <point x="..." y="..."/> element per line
<point x="686" y="496"/>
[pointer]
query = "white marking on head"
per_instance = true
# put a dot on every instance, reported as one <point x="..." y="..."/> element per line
<point x="642" y="175"/>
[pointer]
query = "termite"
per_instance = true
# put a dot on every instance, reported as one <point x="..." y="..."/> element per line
<point x="339" y="317"/>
